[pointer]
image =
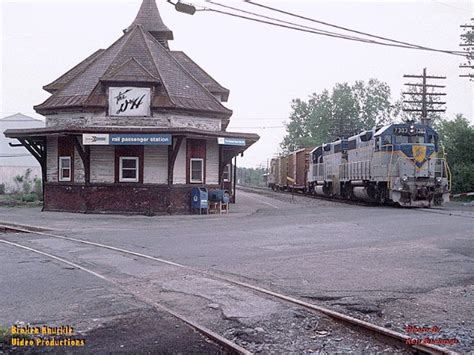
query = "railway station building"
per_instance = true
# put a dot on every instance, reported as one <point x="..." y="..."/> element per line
<point x="133" y="128"/>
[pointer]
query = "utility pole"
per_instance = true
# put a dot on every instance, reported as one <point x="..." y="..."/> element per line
<point x="467" y="43"/>
<point x="423" y="101"/>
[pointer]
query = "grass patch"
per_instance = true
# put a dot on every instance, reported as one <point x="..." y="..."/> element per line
<point x="6" y="338"/>
<point x="463" y="199"/>
<point x="20" y="200"/>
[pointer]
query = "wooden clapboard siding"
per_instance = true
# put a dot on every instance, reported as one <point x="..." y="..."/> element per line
<point x="103" y="164"/>
<point x="78" y="168"/>
<point x="156" y="164"/>
<point x="195" y="148"/>
<point x="212" y="162"/>
<point x="52" y="159"/>
<point x="179" y="172"/>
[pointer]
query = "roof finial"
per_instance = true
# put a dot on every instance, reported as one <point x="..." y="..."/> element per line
<point x="149" y="18"/>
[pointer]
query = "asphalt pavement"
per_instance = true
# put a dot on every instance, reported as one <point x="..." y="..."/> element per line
<point x="387" y="265"/>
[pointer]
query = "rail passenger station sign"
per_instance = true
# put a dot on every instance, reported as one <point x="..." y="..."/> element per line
<point x="129" y="101"/>
<point x="231" y="141"/>
<point x="127" y="139"/>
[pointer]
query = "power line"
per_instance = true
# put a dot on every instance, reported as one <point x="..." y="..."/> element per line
<point x="400" y="43"/>
<point x="453" y="7"/>
<point x="306" y="30"/>
<point x="316" y="31"/>
<point x="14" y="155"/>
<point x="298" y="28"/>
<point x="281" y="21"/>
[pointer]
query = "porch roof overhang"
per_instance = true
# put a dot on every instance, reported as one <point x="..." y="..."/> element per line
<point x="39" y="134"/>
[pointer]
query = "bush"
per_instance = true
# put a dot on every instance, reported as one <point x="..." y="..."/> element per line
<point x="38" y="187"/>
<point x="2" y="189"/>
<point x="23" y="183"/>
<point x="463" y="177"/>
<point x="29" y="197"/>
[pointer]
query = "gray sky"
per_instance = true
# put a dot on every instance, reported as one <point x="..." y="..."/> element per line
<point x="264" y="67"/>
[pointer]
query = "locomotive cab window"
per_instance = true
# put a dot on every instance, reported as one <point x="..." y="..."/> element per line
<point x="367" y="136"/>
<point x="387" y="140"/>
<point x="401" y="139"/>
<point x="352" y="144"/>
<point x="417" y="139"/>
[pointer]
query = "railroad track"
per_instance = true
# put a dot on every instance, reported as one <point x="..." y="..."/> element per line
<point x="391" y="336"/>
<point x="435" y="210"/>
<point x="265" y="190"/>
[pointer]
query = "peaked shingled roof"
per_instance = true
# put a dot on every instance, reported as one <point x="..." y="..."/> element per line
<point x="200" y="74"/>
<point x="149" y="17"/>
<point x="131" y="70"/>
<point x="65" y="78"/>
<point x="177" y="87"/>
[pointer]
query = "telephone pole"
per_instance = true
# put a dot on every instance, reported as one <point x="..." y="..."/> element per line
<point x="421" y="100"/>
<point x="467" y="43"/>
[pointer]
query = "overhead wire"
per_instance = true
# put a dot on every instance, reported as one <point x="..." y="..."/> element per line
<point x="352" y="30"/>
<point x="302" y="28"/>
<point x="453" y="7"/>
<point x="276" y="19"/>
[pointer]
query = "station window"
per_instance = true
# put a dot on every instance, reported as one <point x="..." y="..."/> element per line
<point x="226" y="173"/>
<point x="65" y="169"/>
<point x="197" y="170"/>
<point x="128" y="169"/>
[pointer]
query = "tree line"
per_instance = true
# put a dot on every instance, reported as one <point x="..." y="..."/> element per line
<point x="347" y="109"/>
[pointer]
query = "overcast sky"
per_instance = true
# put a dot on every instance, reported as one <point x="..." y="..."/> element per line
<point x="264" y="67"/>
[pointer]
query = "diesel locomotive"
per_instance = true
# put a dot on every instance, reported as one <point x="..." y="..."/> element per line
<point x="398" y="163"/>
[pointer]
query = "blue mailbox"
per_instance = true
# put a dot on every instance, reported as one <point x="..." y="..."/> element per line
<point x="199" y="199"/>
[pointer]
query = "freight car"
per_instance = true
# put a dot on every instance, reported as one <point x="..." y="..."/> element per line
<point x="290" y="171"/>
<point x="396" y="163"/>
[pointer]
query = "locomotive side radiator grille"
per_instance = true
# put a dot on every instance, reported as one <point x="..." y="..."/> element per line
<point x="319" y="172"/>
<point x="358" y="170"/>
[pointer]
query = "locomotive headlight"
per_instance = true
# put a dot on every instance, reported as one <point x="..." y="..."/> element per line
<point x="438" y="180"/>
<point x="404" y="179"/>
<point x="412" y="129"/>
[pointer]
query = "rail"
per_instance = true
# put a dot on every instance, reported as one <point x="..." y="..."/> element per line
<point x="234" y="348"/>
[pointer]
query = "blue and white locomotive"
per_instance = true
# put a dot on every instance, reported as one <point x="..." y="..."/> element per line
<point x="397" y="163"/>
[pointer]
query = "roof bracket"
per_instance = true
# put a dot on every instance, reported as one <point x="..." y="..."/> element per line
<point x="84" y="153"/>
<point x="172" y="154"/>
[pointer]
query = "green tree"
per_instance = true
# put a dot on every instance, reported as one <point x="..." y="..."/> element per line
<point x="374" y="103"/>
<point x="297" y="128"/>
<point x="344" y="111"/>
<point x="251" y="176"/>
<point x="457" y="141"/>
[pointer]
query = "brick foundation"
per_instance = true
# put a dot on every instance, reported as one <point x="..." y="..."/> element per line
<point x="118" y="198"/>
